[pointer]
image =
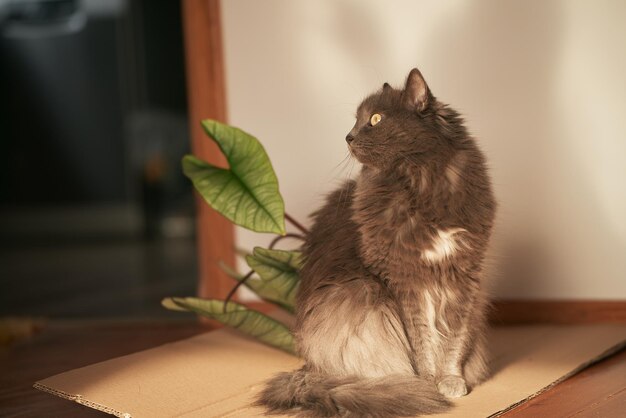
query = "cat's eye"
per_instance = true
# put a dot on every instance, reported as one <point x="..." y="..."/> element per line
<point x="375" y="119"/>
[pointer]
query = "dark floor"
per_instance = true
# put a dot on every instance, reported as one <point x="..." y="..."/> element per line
<point x="119" y="278"/>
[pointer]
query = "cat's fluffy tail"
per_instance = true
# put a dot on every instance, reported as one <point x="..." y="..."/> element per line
<point x="309" y="394"/>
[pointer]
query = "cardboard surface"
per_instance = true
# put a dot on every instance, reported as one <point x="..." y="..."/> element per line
<point x="217" y="374"/>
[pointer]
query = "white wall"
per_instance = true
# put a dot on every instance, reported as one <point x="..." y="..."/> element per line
<point x="541" y="83"/>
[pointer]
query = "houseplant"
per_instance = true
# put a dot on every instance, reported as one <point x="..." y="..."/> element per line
<point x="247" y="194"/>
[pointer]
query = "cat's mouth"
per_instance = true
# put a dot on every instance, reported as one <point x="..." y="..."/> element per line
<point x="356" y="152"/>
<point x="360" y="152"/>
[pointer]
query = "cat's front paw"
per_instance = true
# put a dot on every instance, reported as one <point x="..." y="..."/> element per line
<point x="452" y="386"/>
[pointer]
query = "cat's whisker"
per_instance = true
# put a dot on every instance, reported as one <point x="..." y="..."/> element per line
<point x="342" y="165"/>
<point x="344" y="197"/>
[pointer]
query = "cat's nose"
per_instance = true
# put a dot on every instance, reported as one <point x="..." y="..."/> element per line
<point x="349" y="138"/>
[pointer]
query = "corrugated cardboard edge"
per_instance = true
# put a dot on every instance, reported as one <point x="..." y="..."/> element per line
<point x="79" y="399"/>
<point x="616" y="348"/>
<point x="103" y="408"/>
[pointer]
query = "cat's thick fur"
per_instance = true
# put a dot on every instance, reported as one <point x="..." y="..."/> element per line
<point x="390" y="312"/>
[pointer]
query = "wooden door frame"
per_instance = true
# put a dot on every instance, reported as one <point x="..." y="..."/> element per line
<point x="206" y="97"/>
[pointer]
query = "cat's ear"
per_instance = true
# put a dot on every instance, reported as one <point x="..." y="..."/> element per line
<point x="387" y="87"/>
<point x="416" y="95"/>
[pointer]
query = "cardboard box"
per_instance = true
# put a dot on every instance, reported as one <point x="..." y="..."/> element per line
<point x="218" y="374"/>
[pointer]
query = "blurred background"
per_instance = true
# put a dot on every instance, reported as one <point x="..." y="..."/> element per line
<point x="97" y="220"/>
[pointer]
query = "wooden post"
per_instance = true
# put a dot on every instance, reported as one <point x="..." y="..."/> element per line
<point x="206" y="96"/>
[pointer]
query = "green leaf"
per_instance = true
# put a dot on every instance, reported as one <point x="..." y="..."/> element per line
<point x="248" y="321"/>
<point x="278" y="272"/>
<point x="172" y="306"/>
<point x="247" y="193"/>
<point x="258" y="286"/>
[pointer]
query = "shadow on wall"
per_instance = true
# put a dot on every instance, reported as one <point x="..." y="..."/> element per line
<point x="497" y="59"/>
<point x="503" y="54"/>
<point x="554" y="235"/>
<point x="509" y="68"/>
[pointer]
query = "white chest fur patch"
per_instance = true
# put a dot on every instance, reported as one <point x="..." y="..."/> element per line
<point x="444" y="245"/>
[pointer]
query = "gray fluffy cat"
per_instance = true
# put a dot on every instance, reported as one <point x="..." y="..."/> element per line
<point x="391" y="316"/>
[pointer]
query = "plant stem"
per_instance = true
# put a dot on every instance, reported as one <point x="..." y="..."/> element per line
<point x="251" y="272"/>
<point x="282" y="237"/>
<point x="272" y="244"/>
<point x="296" y="224"/>
<point x="234" y="289"/>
